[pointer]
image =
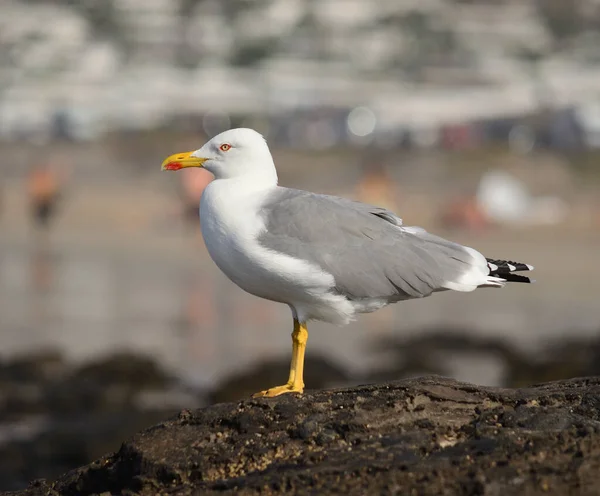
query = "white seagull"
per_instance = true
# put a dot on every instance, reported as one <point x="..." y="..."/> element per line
<point x="327" y="258"/>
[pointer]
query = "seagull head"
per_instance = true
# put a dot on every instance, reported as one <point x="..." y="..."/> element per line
<point x="233" y="153"/>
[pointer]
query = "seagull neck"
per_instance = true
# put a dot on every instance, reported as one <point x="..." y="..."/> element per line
<point x="251" y="182"/>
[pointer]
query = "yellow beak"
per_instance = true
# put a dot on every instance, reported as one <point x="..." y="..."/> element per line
<point x="181" y="160"/>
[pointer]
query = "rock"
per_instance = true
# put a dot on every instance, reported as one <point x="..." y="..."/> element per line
<point x="60" y="445"/>
<point x="420" y="436"/>
<point x="110" y="383"/>
<point x="435" y="351"/>
<point x="34" y="367"/>
<point x="55" y="415"/>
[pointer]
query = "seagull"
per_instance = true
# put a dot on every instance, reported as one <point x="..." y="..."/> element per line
<point x="327" y="258"/>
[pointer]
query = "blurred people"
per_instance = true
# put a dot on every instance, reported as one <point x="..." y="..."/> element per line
<point x="193" y="182"/>
<point x="376" y="186"/>
<point x="44" y="188"/>
<point x="464" y="213"/>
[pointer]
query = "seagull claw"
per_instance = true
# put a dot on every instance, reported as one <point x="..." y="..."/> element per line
<point x="276" y="391"/>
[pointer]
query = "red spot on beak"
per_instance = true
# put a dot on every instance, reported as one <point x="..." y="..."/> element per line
<point x="174" y="166"/>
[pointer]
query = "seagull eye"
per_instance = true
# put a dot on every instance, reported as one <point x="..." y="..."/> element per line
<point x="225" y="147"/>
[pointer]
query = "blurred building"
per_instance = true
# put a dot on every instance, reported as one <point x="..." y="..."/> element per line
<point x="84" y="67"/>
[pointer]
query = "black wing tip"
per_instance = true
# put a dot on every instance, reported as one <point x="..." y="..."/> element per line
<point x="506" y="269"/>
<point x="517" y="278"/>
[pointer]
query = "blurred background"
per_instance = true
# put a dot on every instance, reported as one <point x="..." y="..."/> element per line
<point x="476" y="119"/>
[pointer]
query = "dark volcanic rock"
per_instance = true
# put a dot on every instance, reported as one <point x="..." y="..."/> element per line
<point x="418" y="436"/>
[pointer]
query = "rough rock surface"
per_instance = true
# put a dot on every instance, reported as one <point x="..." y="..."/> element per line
<point x="418" y="436"/>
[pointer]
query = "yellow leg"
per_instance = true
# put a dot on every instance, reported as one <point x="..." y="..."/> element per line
<point x="295" y="383"/>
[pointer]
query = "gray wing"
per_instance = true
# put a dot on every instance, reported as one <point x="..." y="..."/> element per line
<point x="365" y="248"/>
